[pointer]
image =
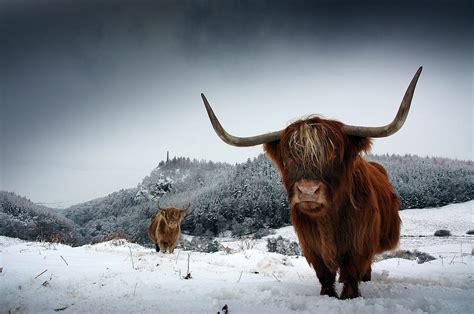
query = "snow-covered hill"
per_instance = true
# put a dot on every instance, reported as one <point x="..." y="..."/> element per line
<point x="119" y="277"/>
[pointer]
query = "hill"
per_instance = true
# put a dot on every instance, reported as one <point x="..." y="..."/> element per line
<point x="249" y="197"/>
<point x="21" y="218"/>
<point x="240" y="199"/>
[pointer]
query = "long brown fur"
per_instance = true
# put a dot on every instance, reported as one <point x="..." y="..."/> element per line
<point x="165" y="228"/>
<point x="361" y="218"/>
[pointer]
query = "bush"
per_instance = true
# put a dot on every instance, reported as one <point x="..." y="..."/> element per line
<point x="200" y="244"/>
<point x="470" y="232"/>
<point x="442" y="233"/>
<point x="283" y="246"/>
<point x="261" y="233"/>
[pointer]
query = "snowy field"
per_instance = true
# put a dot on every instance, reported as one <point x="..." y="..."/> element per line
<point x="119" y="277"/>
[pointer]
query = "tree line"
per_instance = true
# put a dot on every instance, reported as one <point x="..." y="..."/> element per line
<point x="235" y="199"/>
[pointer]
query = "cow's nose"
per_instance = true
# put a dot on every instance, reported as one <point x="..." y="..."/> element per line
<point x="308" y="188"/>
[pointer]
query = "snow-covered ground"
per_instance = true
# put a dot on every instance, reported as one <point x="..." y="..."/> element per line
<point x="117" y="276"/>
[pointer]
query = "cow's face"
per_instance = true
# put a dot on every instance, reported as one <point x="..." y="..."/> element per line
<point x="173" y="216"/>
<point x="314" y="156"/>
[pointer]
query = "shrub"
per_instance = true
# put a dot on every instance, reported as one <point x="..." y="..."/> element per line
<point x="200" y="244"/>
<point x="261" y="233"/>
<point x="283" y="246"/>
<point x="442" y="233"/>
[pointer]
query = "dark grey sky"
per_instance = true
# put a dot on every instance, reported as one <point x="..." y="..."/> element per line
<point x="93" y="93"/>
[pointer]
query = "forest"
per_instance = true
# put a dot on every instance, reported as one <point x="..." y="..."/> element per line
<point x="239" y="200"/>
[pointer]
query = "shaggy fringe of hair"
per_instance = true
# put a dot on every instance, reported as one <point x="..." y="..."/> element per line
<point x="311" y="145"/>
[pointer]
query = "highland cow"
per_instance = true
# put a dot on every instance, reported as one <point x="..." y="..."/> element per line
<point x="343" y="208"/>
<point x="165" y="228"/>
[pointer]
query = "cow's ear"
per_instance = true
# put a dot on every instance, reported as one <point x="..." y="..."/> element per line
<point x="183" y="213"/>
<point x="272" y="150"/>
<point x="359" y="145"/>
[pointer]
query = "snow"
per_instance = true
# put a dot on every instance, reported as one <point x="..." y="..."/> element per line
<point x="118" y="276"/>
<point x="457" y="218"/>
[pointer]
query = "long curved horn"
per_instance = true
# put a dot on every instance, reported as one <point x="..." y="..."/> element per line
<point x="234" y="140"/>
<point x="396" y="124"/>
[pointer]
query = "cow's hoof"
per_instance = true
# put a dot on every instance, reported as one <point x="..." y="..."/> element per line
<point x="368" y="275"/>
<point x="329" y="291"/>
<point x="349" y="292"/>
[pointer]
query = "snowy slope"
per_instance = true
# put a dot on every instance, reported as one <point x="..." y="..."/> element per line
<point x="119" y="277"/>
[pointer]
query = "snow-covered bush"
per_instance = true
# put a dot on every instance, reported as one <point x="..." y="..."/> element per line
<point x="470" y="232"/>
<point x="442" y="233"/>
<point x="283" y="246"/>
<point x="247" y="244"/>
<point x="261" y="233"/>
<point x="200" y="244"/>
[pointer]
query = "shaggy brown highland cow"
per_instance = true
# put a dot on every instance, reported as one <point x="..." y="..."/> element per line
<point x="343" y="208"/>
<point x="165" y="228"/>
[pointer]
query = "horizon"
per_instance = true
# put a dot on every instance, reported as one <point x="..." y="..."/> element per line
<point x="94" y="92"/>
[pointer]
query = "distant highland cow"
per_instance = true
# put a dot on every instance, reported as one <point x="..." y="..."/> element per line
<point x="165" y="228"/>
<point x="343" y="208"/>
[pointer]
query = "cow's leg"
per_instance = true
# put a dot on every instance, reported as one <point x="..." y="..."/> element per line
<point x="325" y="276"/>
<point x="366" y="277"/>
<point x="162" y="246"/>
<point x="157" y="248"/>
<point x="353" y="269"/>
<point x="172" y="247"/>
